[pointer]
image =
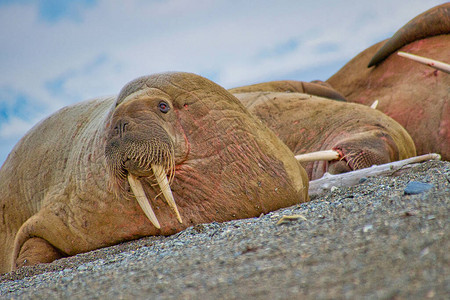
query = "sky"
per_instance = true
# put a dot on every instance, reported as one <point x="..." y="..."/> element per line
<point x="58" y="52"/>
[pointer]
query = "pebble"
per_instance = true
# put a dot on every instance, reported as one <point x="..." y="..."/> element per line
<point x="82" y="268"/>
<point x="367" y="228"/>
<point x="417" y="187"/>
<point x="362" y="180"/>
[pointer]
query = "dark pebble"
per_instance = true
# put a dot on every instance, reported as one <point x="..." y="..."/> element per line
<point x="416" y="187"/>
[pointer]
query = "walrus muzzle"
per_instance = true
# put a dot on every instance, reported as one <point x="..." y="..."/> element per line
<point x="134" y="155"/>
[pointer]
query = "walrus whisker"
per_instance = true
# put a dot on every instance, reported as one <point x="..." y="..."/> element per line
<point x="149" y="156"/>
<point x="144" y="154"/>
<point x="318" y="155"/>
<point x="438" y="65"/>
<point x="351" y="159"/>
<point x="354" y="160"/>
<point x="139" y="193"/>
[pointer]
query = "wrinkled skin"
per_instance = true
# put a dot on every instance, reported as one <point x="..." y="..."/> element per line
<point x="363" y="136"/>
<point x="61" y="196"/>
<point x="413" y="94"/>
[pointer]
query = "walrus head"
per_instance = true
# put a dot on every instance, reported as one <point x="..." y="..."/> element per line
<point x="140" y="144"/>
<point x="363" y="144"/>
<point x="362" y="150"/>
<point x="183" y="136"/>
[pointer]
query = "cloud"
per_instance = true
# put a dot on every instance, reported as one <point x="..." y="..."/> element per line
<point x="15" y="127"/>
<point x="55" y="53"/>
<point x="55" y="10"/>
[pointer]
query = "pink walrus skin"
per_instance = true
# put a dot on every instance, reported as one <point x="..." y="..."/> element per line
<point x="307" y="123"/>
<point x="413" y="94"/>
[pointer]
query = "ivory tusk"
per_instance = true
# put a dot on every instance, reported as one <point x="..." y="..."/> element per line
<point x="374" y="104"/>
<point x="163" y="183"/>
<point x="318" y="155"/>
<point x="441" y="66"/>
<point x="139" y="193"/>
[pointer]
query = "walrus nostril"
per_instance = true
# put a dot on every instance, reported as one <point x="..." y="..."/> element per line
<point x="120" y="128"/>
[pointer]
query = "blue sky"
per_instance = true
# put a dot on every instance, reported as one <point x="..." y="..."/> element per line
<point x="55" y="53"/>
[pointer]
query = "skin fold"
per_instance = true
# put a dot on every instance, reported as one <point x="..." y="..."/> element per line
<point x="64" y="185"/>
<point x="415" y="95"/>
<point x="305" y="123"/>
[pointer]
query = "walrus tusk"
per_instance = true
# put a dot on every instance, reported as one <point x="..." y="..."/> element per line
<point x="139" y="193"/>
<point x="374" y="104"/>
<point x="441" y="66"/>
<point x="318" y="155"/>
<point x="163" y="183"/>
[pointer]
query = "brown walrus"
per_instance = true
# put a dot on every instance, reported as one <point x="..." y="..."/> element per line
<point x="220" y="161"/>
<point x="361" y="135"/>
<point x="415" y="95"/>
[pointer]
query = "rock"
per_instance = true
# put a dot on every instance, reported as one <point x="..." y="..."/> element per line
<point x="417" y="187"/>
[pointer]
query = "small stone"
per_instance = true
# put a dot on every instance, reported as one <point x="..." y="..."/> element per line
<point x="66" y="279"/>
<point x="82" y="268"/>
<point x="416" y="187"/>
<point x="409" y="213"/>
<point x="367" y="228"/>
<point x="363" y="179"/>
<point x="424" y="252"/>
<point x="431" y="294"/>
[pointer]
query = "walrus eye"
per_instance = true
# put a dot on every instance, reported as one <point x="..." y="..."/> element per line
<point x="163" y="107"/>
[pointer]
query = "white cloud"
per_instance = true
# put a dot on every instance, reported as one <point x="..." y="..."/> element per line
<point x="232" y="42"/>
<point x="16" y="127"/>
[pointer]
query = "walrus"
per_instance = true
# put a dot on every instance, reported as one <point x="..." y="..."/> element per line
<point x="413" y="94"/>
<point x="171" y="150"/>
<point x="305" y="123"/>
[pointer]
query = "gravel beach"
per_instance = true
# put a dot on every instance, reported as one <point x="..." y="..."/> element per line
<point x="373" y="241"/>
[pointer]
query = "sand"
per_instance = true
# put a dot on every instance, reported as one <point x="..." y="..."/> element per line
<point x="369" y="241"/>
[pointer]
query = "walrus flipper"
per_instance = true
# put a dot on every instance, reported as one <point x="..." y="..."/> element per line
<point x="34" y="251"/>
<point x="435" y="21"/>
<point x="314" y="88"/>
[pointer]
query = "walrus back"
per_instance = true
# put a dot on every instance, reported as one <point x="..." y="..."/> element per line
<point x="280" y="110"/>
<point x="40" y="163"/>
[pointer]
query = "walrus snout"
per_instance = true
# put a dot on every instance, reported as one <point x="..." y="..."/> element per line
<point x="133" y="152"/>
<point x="130" y="159"/>
<point x="362" y="152"/>
<point x="120" y="128"/>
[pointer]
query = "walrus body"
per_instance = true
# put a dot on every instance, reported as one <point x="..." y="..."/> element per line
<point x="415" y="95"/>
<point x="306" y="123"/>
<point x="65" y="190"/>
<point x="316" y="88"/>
